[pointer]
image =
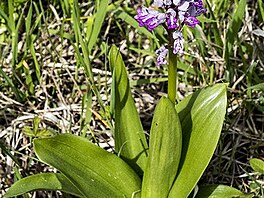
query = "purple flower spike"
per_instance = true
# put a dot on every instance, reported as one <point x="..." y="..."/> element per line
<point x="149" y="17"/>
<point x="191" y="21"/>
<point x="162" y="54"/>
<point x="178" y="42"/>
<point x="175" y="14"/>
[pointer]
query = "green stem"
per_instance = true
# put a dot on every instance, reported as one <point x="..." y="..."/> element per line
<point x="172" y="76"/>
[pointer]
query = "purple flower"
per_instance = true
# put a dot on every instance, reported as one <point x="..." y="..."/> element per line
<point x="176" y="14"/>
<point x="191" y="21"/>
<point x="181" y="8"/>
<point x="172" y="22"/>
<point x="177" y="11"/>
<point x="149" y="17"/>
<point x="196" y="8"/>
<point x="162" y="54"/>
<point x="162" y="3"/>
<point x="158" y="3"/>
<point x="167" y="2"/>
<point x="178" y="42"/>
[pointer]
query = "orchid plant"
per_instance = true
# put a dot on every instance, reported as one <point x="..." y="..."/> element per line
<point x="182" y="139"/>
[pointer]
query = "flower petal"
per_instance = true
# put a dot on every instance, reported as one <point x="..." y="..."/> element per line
<point x="191" y="21"/>
<point x="162" y="54"/>
<point x="178" y="42"/>
<point x="149" y="17"/>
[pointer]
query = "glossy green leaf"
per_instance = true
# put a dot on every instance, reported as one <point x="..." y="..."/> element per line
<point x="164" y="151"/>
<point x="257" y="165"/>
<point x="130" y="140"/>
<point x="219" y="191"/>
<point x="202" y="115"/>
<point x="94" y="171"/>
<point x="43" y="181"/>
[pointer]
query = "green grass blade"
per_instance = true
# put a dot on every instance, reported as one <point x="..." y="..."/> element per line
<point x="35" y="60"/>
<point x="30" y="43"/>
<point x="5" y="150"/>
<point x="5" y="17"/>
<point x="89" y="26"/>
<point x="232" y="32"/>
<point x="261" y="9"/>
<point x="216" y="31"/>
<point x="120" y="13"/>
<point x="15" y="34"/>
<point x="98" y="22"/>
<point x="235" y="25"/>
<point x="257" y="87"/>
<point x="94" y="171"/>
<point x="28" y="19"/>
<point x="84" y="59"/>
<point x="44" y="181"/>
<point x="130" y="140"/>
<point x="9" y="81"/>
<point x="202" y="115"/>
<point x="86" y="112"/>
<point x="164" y="151"/>
<point x="11" y="20"/>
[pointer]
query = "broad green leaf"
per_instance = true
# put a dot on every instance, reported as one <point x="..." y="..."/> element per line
<point x="130" y="140"/>
<point x="257" y="165"/>
<point x="94" y="171"/>
<point x="219" y="191"/>
<point x="202" y="115"/>
<point x="98" y="22"/>
<point x="43" y="181"/>
<point x="164" y="151"/>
